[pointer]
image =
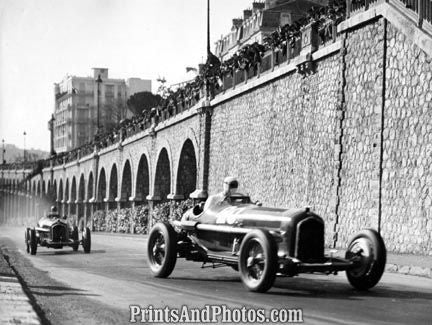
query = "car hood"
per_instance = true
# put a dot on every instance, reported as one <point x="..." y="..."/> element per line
<point x="47" y="222"/>
<point x="250" y="215"/>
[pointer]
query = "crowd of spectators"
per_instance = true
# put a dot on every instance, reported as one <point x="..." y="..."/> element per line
<point x="210" y="78"/>
<point x="128" y="220"/>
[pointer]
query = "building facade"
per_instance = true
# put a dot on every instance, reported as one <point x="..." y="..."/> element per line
<point x="260" y="21"/>
<point x="85" y="104"/>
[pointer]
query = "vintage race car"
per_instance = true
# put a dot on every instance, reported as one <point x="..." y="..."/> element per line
<point x="52" y="231"/>
<point x="261" y="243"/>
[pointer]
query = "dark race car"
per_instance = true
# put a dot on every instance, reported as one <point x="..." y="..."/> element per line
<point x="52" y="231"/>
<point x="261" y="243"/>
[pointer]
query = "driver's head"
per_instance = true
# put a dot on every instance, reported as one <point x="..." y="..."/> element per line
<point x="230" y="185"/>
<point x="53" y="209"/>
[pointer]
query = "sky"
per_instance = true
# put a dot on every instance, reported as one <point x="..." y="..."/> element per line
<point x="41" y="41"/>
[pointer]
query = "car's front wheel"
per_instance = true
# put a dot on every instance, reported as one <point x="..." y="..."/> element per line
<point x="162" y="250"/>
<point x="33" y="241"/>
<point x="27" y="239"/>
<point x="86" y="240"/>
<point x="258" y="260"/>
<point x="367" y="250"/>
<point x="75" y="238"/>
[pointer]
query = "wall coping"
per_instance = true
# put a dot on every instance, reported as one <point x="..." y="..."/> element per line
<point x="396" y="17"/>
<point x="278" y="72"/>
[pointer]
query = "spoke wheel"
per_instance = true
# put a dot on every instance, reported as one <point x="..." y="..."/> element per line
<point x="258" y="261"/>
<point x="75" y="238"/>
<point x="367" y="250"/>
<point x="86" y="240"/>
<point x="162" y="250"/>
<point x="33" y="241"/>
<point x="27" y="240"/>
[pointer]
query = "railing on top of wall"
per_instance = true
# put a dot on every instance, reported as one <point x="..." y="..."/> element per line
<point x="271" y="59"/>
<point x="19" y="166"/>
<point x="423" y="8"/>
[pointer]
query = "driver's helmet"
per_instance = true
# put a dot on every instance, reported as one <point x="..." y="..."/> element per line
<point x="53" y="209"/>
<point x="230" y="185"/>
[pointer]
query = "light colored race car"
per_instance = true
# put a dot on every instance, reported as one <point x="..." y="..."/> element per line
<point x="53" y="231"/>
<point x="262" y="243"/>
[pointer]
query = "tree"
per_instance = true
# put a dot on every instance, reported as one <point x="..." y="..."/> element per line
<point x="143" y="101"/>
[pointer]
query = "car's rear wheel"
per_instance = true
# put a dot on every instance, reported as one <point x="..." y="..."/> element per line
<point x="162" y="250"/>
<point x="75" y="238"/>
<point x="367" y="250"/>
<point x="33" y="241"/>
<point x="258" y="260"/>
<point x="86" y="240"/>
<point x="27" y="239"/>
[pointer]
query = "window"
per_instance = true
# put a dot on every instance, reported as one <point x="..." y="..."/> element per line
<point x="109" y="90"/>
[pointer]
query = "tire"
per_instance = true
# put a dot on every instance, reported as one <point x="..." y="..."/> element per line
<point x="258" y="261"/>
<point x="368" y="251"/>
<point x="33" y="241"/>
<point x="86" y="240"/>
<point x="75" y="238"/>
<point x="27" y="239"/>
<point x="162" y="250"/>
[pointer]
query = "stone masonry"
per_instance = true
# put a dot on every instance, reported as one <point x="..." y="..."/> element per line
<point x="352" y="138"/>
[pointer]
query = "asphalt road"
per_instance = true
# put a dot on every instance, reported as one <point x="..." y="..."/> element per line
<point x="115" y="275"/>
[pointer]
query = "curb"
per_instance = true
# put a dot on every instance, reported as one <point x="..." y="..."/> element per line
<point x="425" y="272"/>
<point x="15" y="305"/>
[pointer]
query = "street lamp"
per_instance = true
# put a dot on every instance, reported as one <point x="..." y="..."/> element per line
<point x="98" y="81"/>
<point x="3" y="152"/>
<point x="208" y="28"/>
<point x="24" y="134"/>
<point x="51" y="129"/>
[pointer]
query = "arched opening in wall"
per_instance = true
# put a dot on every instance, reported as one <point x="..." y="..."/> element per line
<point x="142" y="181"/>
<point x="163" y="176"/>
<point x="89" y="194"/>
<point x="38" y="191"/>
<point x="34" y="189"/>
<point x="66" y="192"/>
<point x="126" y="186"/>
<point x="73" y="197"/>
<point x="113" y="188"/>
<point x="187" y="170"/>
<point x="81" y="199"/>
<point x="101" y="190"/>
<point x="49" y="191"/>
<point x="54" y="193"/>
<point x="43" y="188"/>
<point x="60" y="197"/>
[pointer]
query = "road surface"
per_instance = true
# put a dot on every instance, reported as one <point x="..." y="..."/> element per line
<point x="102" y="286"/>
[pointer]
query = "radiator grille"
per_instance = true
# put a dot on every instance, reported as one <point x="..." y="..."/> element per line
<point x="310" y="239"/>
<point x="59" y="233"/>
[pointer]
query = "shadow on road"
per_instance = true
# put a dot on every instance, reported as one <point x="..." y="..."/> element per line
<point x="313" y="288"/>
<point x="53" y="291"/>
<point x="50" y="291"/>
<point x="68" y="252"/>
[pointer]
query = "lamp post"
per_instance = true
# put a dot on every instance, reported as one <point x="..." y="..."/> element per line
<point x="24" y="134"/>
<point x="51" y="129"/>
<point x="208" y="28"/>
<point x="3" y="152"/>
<point x="98" y="81"/>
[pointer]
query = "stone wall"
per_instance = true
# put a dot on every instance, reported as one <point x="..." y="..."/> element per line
<point x="358" y="206"/>
<point x="407" y="176"/>
<point x="283" y="139"/>
<point x="280" y="140"/>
